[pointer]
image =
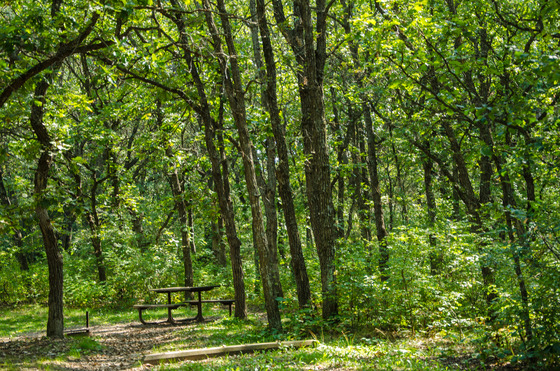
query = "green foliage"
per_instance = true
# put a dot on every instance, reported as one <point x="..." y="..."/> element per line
<point x="17" y="286"/>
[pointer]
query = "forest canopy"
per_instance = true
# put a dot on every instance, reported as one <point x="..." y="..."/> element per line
<point x="383" y="164"/>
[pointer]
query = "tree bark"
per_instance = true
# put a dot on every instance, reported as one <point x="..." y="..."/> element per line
<point x="93" y="221"/>
<point x="234" y="91"/>
<point x="219" y="169"/>
<point x="283" y="168"/>
<point x="376" y="196"/>
<point x="310" y="53"/>
<point x="436" y="258"/>
<point x="55" y="322"/>
<point x="508" y="202"/>
<point x="181" y="208"/>
<point x="18" y="237"/>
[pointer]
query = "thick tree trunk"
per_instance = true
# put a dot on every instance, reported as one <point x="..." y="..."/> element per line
<point x="309" y="48"/>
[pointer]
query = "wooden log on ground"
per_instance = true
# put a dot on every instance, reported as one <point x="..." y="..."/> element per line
<point x="204" y="353"/>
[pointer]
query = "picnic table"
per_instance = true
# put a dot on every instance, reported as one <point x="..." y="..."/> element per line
<point x="171" y="306"/>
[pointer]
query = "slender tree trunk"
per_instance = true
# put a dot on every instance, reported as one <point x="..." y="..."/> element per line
<point x="400" y="180"/>
<point x="283" y="168"/>
<point x="235" y="92"/>
<point x="68" y="229"/>
<point x="94" y="224"/>
<point x="455" y="199"/>
<point x="465" y="191"/>
<point x="181" y="208"/>
<point x="162" y="228"/>
<point x="267" y="185"/>
<point x="18" y="237"/>
<point x="436" y="258"/>
<point x="138" y="228"/>
<point x="55" y="322"/>
<point x="508" y="201"/>
<point x="217" y="244"/>
<point x="376" y="196"/>
<point x="219" y="165"/>
<point x="360" y="174"/>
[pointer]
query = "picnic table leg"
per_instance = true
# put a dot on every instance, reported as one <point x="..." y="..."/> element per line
<point x="199" y="317"/>
<point x="169" y="314"/>
<point x="140" y="315"/>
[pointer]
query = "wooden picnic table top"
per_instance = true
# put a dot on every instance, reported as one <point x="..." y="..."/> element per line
<point x="187" y="289"/>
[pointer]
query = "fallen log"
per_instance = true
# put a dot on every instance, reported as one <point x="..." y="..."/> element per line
<point x="204" y="353"/>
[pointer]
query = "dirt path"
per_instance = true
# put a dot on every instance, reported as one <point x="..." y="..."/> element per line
<point x="122" y="348"/>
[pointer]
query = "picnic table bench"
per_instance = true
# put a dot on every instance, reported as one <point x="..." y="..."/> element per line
<point x="172" y="306"/>
<point x="228" y="302"/>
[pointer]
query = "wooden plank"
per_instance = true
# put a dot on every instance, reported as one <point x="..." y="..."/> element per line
<point x="78" y="332"/>
<point x="194" y="354"/>
<point x="148" y="306"/>
<point x="224" y="301"/>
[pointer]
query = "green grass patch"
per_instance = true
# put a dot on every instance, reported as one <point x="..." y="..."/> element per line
<point x="25" y="319"/>
<point x="403" y="355"/>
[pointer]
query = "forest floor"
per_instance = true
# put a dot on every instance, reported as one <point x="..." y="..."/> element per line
<point x="122" y="346"/>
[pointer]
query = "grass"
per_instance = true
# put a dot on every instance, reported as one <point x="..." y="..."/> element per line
<point x="336" y="350"/>
<point x="409" y="354"/>
<point x="15" y="321"/>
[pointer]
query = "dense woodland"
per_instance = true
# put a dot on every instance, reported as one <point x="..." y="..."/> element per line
<point x="369" y="164"/>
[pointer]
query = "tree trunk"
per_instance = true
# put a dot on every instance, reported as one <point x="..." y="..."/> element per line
<point x="181" y="208"/>
<point x="55" y="322"/>
<point x="220" y="170"/>
<point x="310" y="53"/>
<point x="283" y="168"/>
<point x="94" y="225"/>
<point x="220" y="174"/>
<point x="268" y="185"/>
<point x="376" y="196"/>
<point x="360" y="176"/>
<point x="235" y="93"/>
<point x="436" y="258"/>
<point x="508" y="202"/>
<point x="400" y="180"/>
<point x="18" y="237"/>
